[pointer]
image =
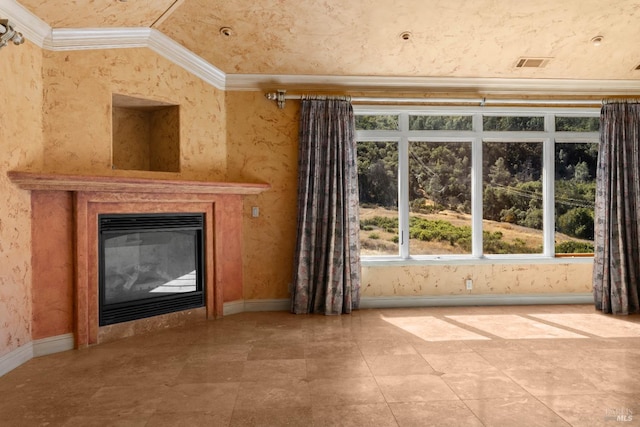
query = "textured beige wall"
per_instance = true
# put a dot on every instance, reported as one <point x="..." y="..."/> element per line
<point x="146" y="139"/>
<point x="131" y="139"/>
<point x="438" y="280"/>
<point x="263" y="147"/>
<point x="165" y="140"/>
<point x="77" y="110"/>
<point x="20" y="148"/>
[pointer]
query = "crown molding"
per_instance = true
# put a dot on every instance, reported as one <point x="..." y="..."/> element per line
<point x="117" y="38"/>
<point x="183" y="57"/>
<point x="62" y="39"/>
<point x="32" y="28"/>
<point x="480" y="86"/>
<point x="67" y="39"/>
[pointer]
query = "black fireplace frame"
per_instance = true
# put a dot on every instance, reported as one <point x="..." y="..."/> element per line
<point x="145" y="222"/>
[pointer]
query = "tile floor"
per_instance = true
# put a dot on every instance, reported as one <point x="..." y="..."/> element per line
<point x="464" y="366"/>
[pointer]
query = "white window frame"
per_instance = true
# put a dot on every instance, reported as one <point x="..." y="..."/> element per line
<point x="548" y="137"/>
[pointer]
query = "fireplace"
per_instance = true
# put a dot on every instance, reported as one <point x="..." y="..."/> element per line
<point x="149" y="264"/>
<point x="65" y="240"/>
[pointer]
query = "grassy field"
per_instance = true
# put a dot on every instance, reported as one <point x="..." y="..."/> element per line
<point x="377" y="241"/>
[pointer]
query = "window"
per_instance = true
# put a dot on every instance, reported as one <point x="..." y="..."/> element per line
<point x="378" y="187"/>
<point x="450" y="182"/>
<point x="439" y="198"/>
<point x="575" y="194"/>
<point x="512" y="197"/>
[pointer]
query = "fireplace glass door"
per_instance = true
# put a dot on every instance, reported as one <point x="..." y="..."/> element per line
<point x="150" y="264"/>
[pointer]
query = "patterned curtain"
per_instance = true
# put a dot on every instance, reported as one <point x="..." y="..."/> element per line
<point x="327" y="259"/>
<point x="616" y="271"/>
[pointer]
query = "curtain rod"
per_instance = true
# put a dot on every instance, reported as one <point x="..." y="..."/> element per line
<point x="281" y="96"/>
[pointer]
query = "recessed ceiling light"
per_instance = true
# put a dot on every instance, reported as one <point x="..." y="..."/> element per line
<point x="597" y="40"/>
<point x="226" y="31"/>
<point x="405" y="35"/>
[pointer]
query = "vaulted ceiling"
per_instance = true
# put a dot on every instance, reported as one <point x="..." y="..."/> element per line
<point x="446" y="38"/>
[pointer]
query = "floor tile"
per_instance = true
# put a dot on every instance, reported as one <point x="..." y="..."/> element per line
<point x="218" y="399"/>
<point x="386" y="347"/>
<point x="552" y="382"/>
<point x="89" y="421"/>
<point x="189" y="419"/>
<point x="272" y="417"/>
<point x="478" y="385"/>
<point x="436" y="347"/>
<point x="403" y="364"/>
<point x="331" y="349"/>
<point x="219" y="353"/>
<point x="279" y="393"/>
<point x="458" y="362"/>
<point x="517" y="359"/>
<point x="414" y="388"/>
<point x="515" y="411"/>
<point x="616" y="380"/>
<point x="124" y="401"/>
<point x="596" y="410"/>
<point x="349" y="391"/>
<point x="435" y="414"/>
<point x="373" y="414"/>
<point x="348" y="367"/>
<point x="201" y="372"/>
<point x="257" y="370"/>
<point x="266" y="351"/>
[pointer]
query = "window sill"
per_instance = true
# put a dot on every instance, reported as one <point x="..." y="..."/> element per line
<point x="380" y="261"/>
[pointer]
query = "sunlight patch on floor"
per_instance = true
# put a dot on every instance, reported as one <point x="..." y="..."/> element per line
<point x="430" y="328"/>
<point x="595" y="324"/>
<point x="511" y="326"/>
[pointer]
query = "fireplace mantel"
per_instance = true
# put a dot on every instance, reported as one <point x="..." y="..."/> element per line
<point x="65" y="210"/>
<point x="118" y="184"/>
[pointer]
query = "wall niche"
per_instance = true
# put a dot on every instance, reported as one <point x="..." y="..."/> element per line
<point x="145" y="134"/>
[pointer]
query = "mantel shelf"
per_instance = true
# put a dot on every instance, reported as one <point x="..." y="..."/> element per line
<point x="119" y="184"/>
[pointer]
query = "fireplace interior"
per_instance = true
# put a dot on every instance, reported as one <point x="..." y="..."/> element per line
<point x="149" y="264"/>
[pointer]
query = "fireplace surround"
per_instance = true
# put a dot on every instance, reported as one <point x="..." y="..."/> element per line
<point x="65" y="233"/>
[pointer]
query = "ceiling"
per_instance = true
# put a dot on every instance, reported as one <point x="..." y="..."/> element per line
<point x="452" y="38"/>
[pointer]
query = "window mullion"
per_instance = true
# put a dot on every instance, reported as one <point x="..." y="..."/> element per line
<point x="403" y="186"/>
<point x="476" y="188"/>
<point x="548" y="188"/>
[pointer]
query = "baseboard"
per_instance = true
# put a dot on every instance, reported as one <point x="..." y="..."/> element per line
<point x="36" y="348"/>
<point x="50" y="345"/>
<point x="241" y="306"/>
<point x="233" y="307"/>
<point x="267" y="305"/>
<point x="475" y="300"/>
<point x="15" y="358"/>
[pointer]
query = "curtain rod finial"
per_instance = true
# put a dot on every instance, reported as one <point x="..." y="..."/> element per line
<point x="278" y="96"/>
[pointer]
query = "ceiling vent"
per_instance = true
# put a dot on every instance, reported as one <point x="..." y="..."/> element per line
<point x="532" y="62"/>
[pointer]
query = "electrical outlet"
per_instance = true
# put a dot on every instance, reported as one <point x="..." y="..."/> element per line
<point x="469" y="284"/>
<point x="255" y="211"/>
